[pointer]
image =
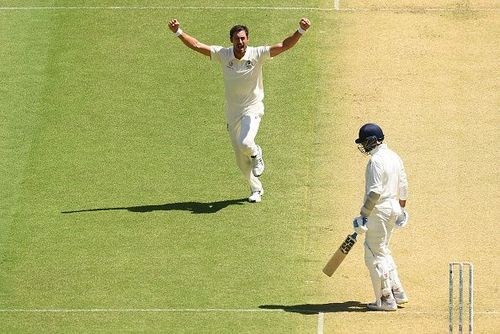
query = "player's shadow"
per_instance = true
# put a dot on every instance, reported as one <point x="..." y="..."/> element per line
<point x="350" y="306"/>
<point x="194" y="207"/>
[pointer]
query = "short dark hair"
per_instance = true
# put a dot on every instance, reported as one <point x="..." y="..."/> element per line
<point x="237" y="29"/>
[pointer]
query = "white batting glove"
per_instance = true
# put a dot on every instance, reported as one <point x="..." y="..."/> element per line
<point x="359" y="224"/>
<point x="402" y="219"/>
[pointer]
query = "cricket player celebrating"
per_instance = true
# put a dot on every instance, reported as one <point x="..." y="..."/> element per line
<point x="243" y="83"/>
<point x="386" y="191"/>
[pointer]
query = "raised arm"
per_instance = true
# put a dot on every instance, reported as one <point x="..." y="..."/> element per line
<point x="188" y="40"/>
<point x="290" y="41"/>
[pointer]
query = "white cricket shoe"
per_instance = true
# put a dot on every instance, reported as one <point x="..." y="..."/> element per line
<point x="386" y="304"/>
<point x="400" y="296"/>
<point x="258" y="163"/>
<point x="256" y="196"/>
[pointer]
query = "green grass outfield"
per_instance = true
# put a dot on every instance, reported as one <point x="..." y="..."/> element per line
<point x="121" y="207"/>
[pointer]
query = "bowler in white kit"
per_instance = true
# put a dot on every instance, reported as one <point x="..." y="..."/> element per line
<point x="244" y="91"/>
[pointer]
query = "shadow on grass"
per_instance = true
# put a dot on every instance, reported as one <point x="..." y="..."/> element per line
<point x="194" y="207"/>
<point x="350" y="306"/>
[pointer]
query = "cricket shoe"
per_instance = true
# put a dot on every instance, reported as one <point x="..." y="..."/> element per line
<point x="386" y="304"/>
<point x="400" y="296"/>
<point x="256" y="196"/>
<point x="257" y="163"/>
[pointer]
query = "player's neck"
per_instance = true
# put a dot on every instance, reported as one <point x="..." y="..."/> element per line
<point x="237" y="54"/>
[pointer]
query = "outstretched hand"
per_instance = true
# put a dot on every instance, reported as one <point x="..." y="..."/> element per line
<point x="305" y="23"/>
<point x="174" y="25"/>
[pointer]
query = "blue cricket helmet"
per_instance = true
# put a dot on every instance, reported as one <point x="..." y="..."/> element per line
<point x="369" y="130"/>
<point x="370" y="136"/>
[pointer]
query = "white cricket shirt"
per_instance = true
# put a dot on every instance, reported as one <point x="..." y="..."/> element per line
<point x="385" y="175"/>
<point x="243" y="80"/>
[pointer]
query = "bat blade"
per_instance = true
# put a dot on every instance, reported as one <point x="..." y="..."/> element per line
<point x="339" y="256"/>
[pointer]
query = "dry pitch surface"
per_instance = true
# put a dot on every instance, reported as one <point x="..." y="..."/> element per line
<point x="431" y="80"/>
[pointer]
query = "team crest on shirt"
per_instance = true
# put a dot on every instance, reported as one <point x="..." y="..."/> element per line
<point x="248" y="64"/>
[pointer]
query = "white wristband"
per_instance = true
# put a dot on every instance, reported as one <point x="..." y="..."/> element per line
<point x="178" y="32"/>
<point x="301" y="31"/>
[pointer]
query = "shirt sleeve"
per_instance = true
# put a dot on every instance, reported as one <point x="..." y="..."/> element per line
<point x="403" y="183"/>
<point x="263" y="53"/>
<point x="374" y="174"/>
<point x="215" y="53"/>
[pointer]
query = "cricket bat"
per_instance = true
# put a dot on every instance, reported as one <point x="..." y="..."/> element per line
<point x="340" y="254"/>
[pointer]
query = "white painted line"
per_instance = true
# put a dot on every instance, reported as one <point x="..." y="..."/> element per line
<point x="336" y="7"/>
<point x="336" y="4"/>
<point x="164" y="8"/>
<point x="194" y="310"/>
<point x="420" y="10"/>
<point x="139" y="310"/>
<point x="321" y="323"/>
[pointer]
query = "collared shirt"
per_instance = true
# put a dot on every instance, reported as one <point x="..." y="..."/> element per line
<point x="385" y="175"/>
<point x="243" y="80"/>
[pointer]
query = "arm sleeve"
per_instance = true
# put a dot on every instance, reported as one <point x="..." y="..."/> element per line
<point x="374" y="172"/>
<point x="264" y="53"/>
<point x="403" y="183"/>
<point x="370" y="201"/>
<point x="215" y="53"/>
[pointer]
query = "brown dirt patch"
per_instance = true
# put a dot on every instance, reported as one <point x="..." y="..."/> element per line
<point x="431" y="81"/>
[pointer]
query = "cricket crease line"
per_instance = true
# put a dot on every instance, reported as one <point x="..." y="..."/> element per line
<point x="421" y="9"/>
<point x="321" y="315"/>
<point x="163" y="8"/>
<point x="336" y="8"/>
<point x="321" y="323"/>
<point x="139" y="310"/>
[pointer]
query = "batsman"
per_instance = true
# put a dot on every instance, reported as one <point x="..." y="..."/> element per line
<point x="386" y="191"/>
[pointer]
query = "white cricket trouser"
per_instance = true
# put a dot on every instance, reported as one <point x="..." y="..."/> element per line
<point x="378" y="258"/>
<point x="242" y="131"/>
